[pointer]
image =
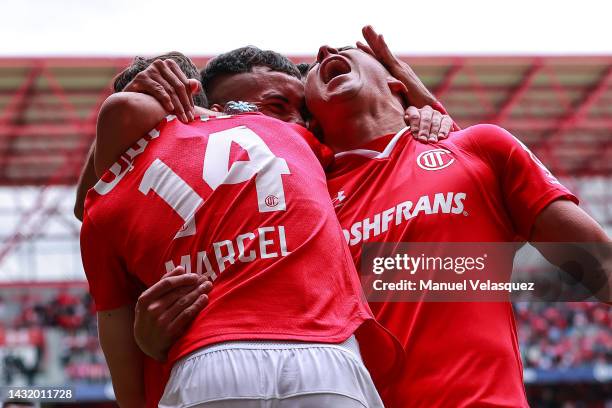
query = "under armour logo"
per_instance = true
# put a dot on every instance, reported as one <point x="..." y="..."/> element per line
<point x="337" y="202"/>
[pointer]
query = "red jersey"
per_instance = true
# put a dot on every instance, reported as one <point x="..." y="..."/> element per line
<point x="480" y="185"/>
<point x="242" y="200"/>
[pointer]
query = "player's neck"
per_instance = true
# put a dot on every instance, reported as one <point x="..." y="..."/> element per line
<point x="353" y="128"/>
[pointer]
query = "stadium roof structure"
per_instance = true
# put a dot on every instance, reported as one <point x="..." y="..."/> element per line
<point x="561" y="107"/>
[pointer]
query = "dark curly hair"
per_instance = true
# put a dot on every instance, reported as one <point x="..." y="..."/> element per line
<point x="140" y="64"/>
<point x="304" y="67"/>
<point x="243" y="60"/>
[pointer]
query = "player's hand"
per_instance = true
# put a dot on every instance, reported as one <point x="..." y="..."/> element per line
<point x="418" y="94"/>
<point x="165" y="310"/>
<point x="165" y="81"/>
<point x="428" y="125"/>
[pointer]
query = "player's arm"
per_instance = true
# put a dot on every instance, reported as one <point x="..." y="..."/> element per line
<point x="87" y="180"/>
<point x="428" y="119"/>
<point x="418" y="94"/>
<point x="124" y="358"/>
<point x="167" y="83"/>
<point x="543" y="210"/>
<point x="564" y="221"/>
<point x="165" y="310"/>
<point x="114" y="292"/>
<point x="123" y="119"/>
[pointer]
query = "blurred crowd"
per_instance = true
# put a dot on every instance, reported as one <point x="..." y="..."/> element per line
<point x="32" y="325"/>
<point x="65" y="309"/>
<point x="43" y="329"/>
<point x="564" y="335"/>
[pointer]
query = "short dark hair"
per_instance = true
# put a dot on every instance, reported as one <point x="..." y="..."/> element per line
<point x="303" y="67"/>
<point x="140" y="64"/>
<point x="243" y="60"/>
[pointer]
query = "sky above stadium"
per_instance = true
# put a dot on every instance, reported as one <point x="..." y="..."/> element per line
<point x="128" y="27"/>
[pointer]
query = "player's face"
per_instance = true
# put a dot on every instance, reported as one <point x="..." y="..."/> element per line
<point x="275" y="93"/>
<point x="345" y="75"/>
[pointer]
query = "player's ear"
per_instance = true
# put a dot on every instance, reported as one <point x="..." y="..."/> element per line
<point x="399" y="90"/>
<point x="216" y="107"/>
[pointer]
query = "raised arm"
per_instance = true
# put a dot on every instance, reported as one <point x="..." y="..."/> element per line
<point x="172" y="79"/>
<point x="426" y="116"/>
<point x="123" y="119"/>
<point x="418" y="94"/>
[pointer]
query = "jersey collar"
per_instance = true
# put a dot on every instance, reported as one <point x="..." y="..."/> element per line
<point x="375" y="154"/>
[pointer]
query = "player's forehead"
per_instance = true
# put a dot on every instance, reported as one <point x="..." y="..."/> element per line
<point x="255" y="85"/>
<point x="266" y="80"/>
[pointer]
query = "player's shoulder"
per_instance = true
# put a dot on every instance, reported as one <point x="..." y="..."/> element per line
<point x="484" y="138"/>
<point x="484" y="132"/>
<point x="98" y="209"/>
<point x="90" y="225"/>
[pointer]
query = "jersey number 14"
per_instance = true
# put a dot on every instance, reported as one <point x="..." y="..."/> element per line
<point x="181" y="197"/>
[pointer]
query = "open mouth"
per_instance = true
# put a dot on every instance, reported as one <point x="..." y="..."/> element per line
<point x="333" y="67"/>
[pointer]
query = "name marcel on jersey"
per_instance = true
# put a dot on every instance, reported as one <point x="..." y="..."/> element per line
<point x="263" y="243"/>
<point x="442" y="203"/>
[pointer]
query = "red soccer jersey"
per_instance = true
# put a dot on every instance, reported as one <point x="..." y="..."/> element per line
<point x="480" y="185"/>
<point x="242" y="200"/>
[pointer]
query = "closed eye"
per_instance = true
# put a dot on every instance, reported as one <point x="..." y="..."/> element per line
<point x="276" y="107"/>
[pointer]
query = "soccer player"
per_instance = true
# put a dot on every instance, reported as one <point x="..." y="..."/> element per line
<point x="485" y="186"/>
<point x="459" y="354"/>
<point x="241" y="200"/>
<point x="179" y="312"/>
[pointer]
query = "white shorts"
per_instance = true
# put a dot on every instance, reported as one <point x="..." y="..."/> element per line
<point x="272" y="375"/>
